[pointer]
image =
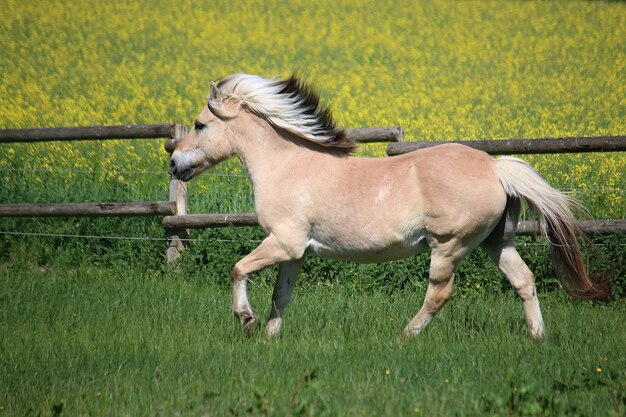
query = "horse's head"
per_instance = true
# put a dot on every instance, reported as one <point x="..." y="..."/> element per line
<point x="289" y="105"/>
<point x="209" y="142"/>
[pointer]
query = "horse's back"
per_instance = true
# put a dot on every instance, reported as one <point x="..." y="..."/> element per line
<point x="459" y="188"/>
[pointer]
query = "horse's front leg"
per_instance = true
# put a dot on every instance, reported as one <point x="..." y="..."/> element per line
<point x="285" y="281"/>
<point x="268" y="253"/>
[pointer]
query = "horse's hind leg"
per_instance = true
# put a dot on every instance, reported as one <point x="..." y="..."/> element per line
<point x="441" y="278"/>
<point x="500" y="247"/>
<point x="522" y="279"/>
<point x="285" y="281"/>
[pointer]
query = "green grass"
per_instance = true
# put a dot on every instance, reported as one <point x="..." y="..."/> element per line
<point x="133" y="341"/>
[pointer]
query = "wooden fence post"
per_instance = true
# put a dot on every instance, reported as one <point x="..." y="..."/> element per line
<point x="177" y="239"/>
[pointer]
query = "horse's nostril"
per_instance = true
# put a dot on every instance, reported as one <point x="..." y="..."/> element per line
<point x="172" y="167"/>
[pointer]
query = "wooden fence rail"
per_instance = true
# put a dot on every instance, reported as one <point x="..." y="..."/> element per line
<point x="524" y="228"/>
<point x="525" y="146"/>
<point x="148" y="208"/>
<point x="150" y="131"/>
<point x="589" y="227"/>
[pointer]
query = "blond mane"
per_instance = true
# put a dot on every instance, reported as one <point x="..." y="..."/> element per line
<point x="288" y="104"/>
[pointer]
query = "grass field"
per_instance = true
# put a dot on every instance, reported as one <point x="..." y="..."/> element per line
<point x="101" y="326"/>
<point x="87" y="341"/>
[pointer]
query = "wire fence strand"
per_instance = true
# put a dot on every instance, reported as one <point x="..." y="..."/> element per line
<point x="194" y="240"/>
<point x="113" y="172"/>
<point x="134" y="238"/>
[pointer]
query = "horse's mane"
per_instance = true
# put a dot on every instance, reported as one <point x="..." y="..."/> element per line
<point x="289" y="104"/>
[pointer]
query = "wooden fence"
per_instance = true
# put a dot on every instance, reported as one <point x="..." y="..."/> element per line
<point x="174" y="209"/>
<point x="177" y="221"/>
<point x="174" y="206"/>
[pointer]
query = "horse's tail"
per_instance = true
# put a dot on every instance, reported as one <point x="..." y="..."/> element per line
<point x="557" y="223"/>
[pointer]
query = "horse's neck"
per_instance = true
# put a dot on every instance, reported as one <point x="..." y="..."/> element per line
<point x="264" y="151"/>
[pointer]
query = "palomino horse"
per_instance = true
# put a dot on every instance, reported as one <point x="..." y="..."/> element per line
<point x="313" y="197"/>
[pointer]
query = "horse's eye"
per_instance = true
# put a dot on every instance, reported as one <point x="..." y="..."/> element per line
<point x="199" y="126"/>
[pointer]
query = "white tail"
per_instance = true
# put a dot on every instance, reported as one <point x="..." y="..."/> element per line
<point x="557" y="222"/>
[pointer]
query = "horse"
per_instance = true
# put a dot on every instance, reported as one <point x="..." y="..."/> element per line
<point x="313" y="196"/>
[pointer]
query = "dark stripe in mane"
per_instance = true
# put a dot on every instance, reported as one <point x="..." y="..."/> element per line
<point x="310" y="105"/>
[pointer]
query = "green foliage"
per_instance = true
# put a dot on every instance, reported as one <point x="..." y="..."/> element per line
<point x="528" y="399"/>
<point x="213" y="253"/>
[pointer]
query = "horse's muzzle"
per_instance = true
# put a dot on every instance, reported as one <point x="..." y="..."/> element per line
<point x="180" y="173"/>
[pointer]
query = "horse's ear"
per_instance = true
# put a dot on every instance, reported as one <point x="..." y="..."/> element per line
<point x="214" y="91"/>
<point x="223" y="105"/>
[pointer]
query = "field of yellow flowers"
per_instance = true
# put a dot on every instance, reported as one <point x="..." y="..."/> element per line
<point x="442" y="70"/>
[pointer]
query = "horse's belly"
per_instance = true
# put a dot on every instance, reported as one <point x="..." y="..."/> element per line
<point x="368" y="253"/>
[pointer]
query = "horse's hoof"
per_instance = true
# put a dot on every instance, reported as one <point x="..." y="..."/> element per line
<point x="250" y="323"/>
<point x="404" y="336"/>
<point x="409" y="333"/>
<point x="539" y="336"/>
<point x="272" y="329"/>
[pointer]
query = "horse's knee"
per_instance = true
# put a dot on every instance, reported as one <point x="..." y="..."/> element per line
<point x="527" y="291"/>
<point x="237" y="274"/>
